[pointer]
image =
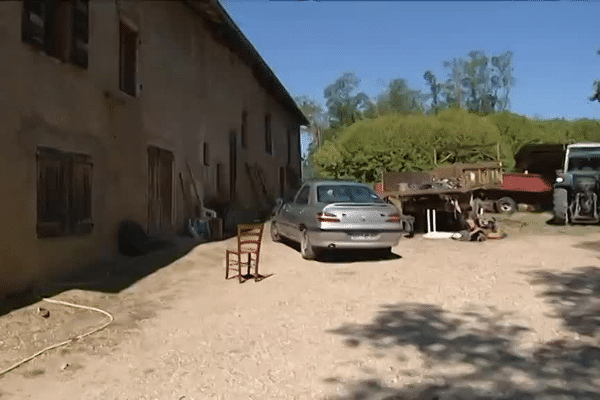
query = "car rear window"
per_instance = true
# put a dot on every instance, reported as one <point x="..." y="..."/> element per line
<point x="346" y="194"/>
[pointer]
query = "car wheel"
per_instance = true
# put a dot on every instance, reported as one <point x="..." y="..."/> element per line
<point x="275" y="233"/>
<point x="506" y="205"/>
<point x="306" y="249"/>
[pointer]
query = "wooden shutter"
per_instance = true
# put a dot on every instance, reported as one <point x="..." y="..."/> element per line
<point x="81" y="195"/>
<point x="128" y="59"/>
<point x="79" y="52"/>
<point x="166" y="188"/>
<point x="153" y="207"/>
<point x="52" y="199"/>
<point x="33" y="23"/>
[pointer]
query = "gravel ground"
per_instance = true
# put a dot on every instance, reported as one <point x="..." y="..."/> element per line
<point x="504" y="319"/>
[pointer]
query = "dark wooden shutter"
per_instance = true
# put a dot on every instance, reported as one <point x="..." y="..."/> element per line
<point x="33" y="23"/>
<point x="52" y="199"/>
<point x="153" y="206"/>
<point x="79" y="52"/>
<point x="166" y="188"/>
<point x="128" y="61"/>
<point x="81" y="195"/>
<point x="50" y="28"/>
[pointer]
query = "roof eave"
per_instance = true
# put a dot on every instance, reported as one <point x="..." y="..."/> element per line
<point x="216" y="13"/>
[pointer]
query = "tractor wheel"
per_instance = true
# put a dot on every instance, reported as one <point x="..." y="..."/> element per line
<point x="506" y="205"/>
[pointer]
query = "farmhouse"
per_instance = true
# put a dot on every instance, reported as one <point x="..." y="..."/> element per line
<point x="112" y="109"/>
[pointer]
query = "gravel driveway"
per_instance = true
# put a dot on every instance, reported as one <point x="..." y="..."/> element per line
<point x="505" y="319"/>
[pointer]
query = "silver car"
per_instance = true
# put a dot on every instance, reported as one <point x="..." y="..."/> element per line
<point x="338" y="215"/>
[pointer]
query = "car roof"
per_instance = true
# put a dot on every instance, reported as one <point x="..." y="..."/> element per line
<point x="333" y="182"/>
<point x="583" y="144"/>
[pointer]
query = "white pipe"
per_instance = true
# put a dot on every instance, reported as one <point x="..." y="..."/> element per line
<point x="428" y="222"/>
<point x="434" y="218"/>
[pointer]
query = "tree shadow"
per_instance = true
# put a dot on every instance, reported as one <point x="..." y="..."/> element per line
<point x="588" y="246"/>
<point x="485" y="350"/>
<point x="575" y="297"/>
<point x="110" y="277"/>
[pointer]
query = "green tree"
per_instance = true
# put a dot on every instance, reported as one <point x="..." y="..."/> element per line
<point x="435" y="89"/>
<point x="503" y="80"/>
<point x="344" y="105"/>
<point x="316" y="116"/>
<point x="398" y="97"/>
<point x="596" y="95"/>
<point x="454" y="88"/>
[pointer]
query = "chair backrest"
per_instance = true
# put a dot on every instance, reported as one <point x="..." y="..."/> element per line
<point x="249" y="237"/>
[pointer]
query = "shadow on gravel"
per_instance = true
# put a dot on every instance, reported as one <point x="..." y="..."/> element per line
<point x="553" y="221"/>
<point x="110" y="277"/>
<point x="588" y="246"/>
<point x="349" y="256"/>
<point x="484" y="348"/>
<point x="575" y="297"/>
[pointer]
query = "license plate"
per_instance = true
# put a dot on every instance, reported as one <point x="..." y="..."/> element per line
<point x="363" y="236"/>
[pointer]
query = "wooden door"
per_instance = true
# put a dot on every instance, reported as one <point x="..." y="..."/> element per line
<point x="160" y="189"/>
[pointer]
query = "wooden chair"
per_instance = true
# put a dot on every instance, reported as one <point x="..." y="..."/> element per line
<point x="247" y="254"/>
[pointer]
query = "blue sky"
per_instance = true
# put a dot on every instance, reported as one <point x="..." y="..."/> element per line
<point x="309" y="44"/>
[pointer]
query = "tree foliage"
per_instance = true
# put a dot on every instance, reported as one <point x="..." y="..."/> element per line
<point x="596" y="95"/>
<point x="397" y="142"/>
<point x="477" y="83"/>
<point x="316" y="116"/>
<point x="344" y="105"/>
<point x="470" y="117"/>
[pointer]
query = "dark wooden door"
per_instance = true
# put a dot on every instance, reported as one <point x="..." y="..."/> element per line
<point x="160" y="189"/>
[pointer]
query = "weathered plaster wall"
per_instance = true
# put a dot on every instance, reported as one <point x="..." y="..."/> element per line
<point x="193" y="89"/>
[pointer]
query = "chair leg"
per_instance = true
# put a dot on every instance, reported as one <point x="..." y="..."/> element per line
<point x="227" y="266"/>
<point x="256" y="277"/>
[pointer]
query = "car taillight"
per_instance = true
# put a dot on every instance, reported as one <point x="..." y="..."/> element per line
<point x="393" y="218"/>
<point x="327" y="217"/>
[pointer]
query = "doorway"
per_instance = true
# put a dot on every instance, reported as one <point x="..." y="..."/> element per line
<point x="160" y="189"/>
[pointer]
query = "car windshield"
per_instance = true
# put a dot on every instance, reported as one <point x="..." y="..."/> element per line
<point x="346" y="194"/>
<point x="584" y="159"/>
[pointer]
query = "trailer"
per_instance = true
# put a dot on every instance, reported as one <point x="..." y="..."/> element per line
<point x="472" y="188"/>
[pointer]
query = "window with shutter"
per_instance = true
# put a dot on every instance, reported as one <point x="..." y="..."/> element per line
<point x="64" y="193"/>
<point x="58" y="27"/>
<point x="34" y="22"/>
<point x="244" y="130"/>
<point x="79" y="50"/>
<point x="268" y="137"/>
<point x="52" y="201"/>
<point x="128" y="59"/>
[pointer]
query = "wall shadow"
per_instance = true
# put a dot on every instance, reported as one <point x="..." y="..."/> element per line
<point x="484" y="343"/>
<point x="110" y="277"/>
